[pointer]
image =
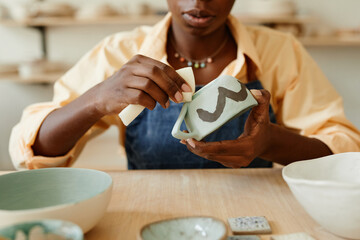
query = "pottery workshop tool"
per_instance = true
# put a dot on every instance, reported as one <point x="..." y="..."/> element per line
<point x="129" y="113"/>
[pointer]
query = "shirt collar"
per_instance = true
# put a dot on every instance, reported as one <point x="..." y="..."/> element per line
<point x="154" y="44"/>
<point x="244" y="43"/>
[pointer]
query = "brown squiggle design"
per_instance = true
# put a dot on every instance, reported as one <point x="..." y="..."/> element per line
<point x="223" y="94"/>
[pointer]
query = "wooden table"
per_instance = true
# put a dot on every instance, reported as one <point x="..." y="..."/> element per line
<point x="141" y="197"/>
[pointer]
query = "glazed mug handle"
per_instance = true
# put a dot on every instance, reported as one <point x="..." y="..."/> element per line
<point x="176" y="132"/>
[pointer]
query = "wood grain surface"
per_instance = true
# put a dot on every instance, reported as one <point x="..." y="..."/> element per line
<point x="141" y="197"/>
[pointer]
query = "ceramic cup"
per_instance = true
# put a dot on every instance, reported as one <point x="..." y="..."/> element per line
<point x="212" y="106"/>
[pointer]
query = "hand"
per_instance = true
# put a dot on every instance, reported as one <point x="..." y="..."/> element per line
<point x="142" y="81"/>
<point x="252" y="143"/>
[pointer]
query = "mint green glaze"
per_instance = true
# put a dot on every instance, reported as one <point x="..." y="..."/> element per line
<point x="64" y="229"/>
<point x="195" y="228"/>
<point x="49" y="187"/>
<point x="212" y="106"/>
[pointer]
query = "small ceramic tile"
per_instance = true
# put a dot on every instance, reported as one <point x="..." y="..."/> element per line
<point x="293" y="236"/>
<point x="244" y="237"/>
<point x="249" y="225"/>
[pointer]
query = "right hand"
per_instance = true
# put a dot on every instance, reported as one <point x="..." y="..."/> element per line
<point x="142" y="81"/>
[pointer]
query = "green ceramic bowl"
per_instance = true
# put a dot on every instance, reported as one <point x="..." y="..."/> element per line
<point x="49" y="227"/>
<point x="196" y="228"/>
<point x="76" y="195"/>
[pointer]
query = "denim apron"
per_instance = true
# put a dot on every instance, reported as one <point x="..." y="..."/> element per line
<point x="150" y="145"/>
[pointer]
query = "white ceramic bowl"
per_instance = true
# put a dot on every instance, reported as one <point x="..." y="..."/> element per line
<point x="196" y="228"/>
<point x="80" y="196"/>
<point x="329" y="190"/>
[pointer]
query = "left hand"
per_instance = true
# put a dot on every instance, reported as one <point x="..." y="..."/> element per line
<point x="253" y="142"/>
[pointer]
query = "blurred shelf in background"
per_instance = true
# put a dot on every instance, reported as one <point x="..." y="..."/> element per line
<point x="137" y="20"/>
<point x="41" y="23"/>
<point x="71" y="21"/>
<point x="45" y="78"/>
<point x="152" y="19"/>
<point x="37" y="72"/>
<point x="248" y="19"/>
<point x="330" y="41"/>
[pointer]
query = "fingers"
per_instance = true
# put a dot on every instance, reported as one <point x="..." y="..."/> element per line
<point x="220" y="148"/>
<point x="239" y="152"/>
<point x="261" y="95"/>
<point x="233" y="153"/>
<point x="136" y="96"/>
<point x="228" y="160"/>
<point x="260" y="113"/>
<point x="142" y="81"/>
<point x="151" y="88"/>
<point x="163" y="75"/>
<point x="172" y="74"/>
<point x="231" y="161"/>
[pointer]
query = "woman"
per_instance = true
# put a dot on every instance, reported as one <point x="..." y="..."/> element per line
<point x="134" y="68"/>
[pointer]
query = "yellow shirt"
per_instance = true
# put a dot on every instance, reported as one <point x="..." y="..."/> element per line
<point x="302" y="98"/>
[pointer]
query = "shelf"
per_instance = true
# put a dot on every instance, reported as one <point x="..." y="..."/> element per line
<point x="70" y="21"/>
<point x="42" y="23"/>
<point x="249" y="19"/>
<point x="330" y="41"/>
<point x="40" y="78"/>
<point x="51" y="77"/>
<point x="137" y="20"/>
<point x="308" y="42"/>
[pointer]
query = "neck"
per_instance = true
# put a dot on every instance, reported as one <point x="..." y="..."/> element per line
<point x="198" y="46"/>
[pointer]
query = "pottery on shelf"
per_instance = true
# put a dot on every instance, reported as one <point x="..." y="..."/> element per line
<point x="53" y="9"/>
<point x="271" y="8"/>
<point x="93" y="11"/>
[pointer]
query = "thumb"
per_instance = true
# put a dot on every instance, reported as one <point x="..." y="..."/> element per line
<point x="260" y="113"/>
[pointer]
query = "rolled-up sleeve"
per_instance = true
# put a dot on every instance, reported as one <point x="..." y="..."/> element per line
<point x="96" y="66"/>
<point x="24" y="134"/>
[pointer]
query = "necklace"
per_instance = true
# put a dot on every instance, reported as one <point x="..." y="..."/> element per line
<point x="197" y="63"/>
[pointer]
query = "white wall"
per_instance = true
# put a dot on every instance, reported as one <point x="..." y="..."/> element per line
<point x="335" y="13"/>
<point x="340" y="64"/>
<point x="79" y="39"/>
<point x="19" y="44"/>
<point x="13" y="98"/>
